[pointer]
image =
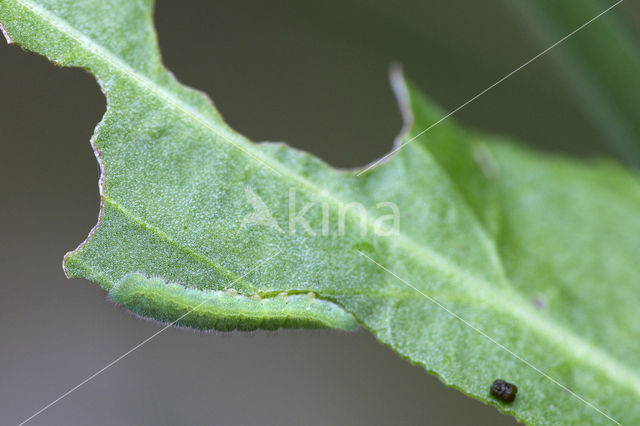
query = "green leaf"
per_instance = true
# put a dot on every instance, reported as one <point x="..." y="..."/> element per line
<point x="507" y="264"/>
<point x="601" y="67"/>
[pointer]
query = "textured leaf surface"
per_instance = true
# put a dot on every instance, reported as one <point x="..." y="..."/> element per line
<point x="508" y="264"/>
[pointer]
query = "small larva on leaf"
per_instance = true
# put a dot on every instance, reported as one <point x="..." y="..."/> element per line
<point x="226" y="310"/>
<point x="504" y="391"/>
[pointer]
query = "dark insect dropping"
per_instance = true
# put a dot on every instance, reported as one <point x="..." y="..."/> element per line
<point x="504" y="391"/>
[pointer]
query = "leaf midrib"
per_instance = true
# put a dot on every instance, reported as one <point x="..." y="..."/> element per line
<point x="118" y="65"/>
<point x="233" y="277"/>
<point x="615" y="369"/>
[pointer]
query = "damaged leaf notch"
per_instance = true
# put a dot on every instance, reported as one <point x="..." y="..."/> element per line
<point x="486" y="226"/>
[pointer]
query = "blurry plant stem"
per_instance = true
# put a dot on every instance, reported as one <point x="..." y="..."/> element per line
<point x="600" y="65"/>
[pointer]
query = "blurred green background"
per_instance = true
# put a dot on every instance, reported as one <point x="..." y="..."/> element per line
<point x="313" y="74"/>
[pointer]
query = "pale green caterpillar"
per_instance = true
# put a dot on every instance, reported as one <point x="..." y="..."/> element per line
<point x="226" y="310"/>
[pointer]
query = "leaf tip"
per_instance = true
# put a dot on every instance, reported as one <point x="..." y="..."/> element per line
<point x="403" y="98"/>
<point x="401" y="92"/>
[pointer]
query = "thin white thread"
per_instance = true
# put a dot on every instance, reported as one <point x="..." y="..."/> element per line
<point x="361" y="172"/>
<point x="145" y="341"/>
<point x="122" y="66"/>
<point x="398" y="148"/>
<point x="492" y="340"/>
